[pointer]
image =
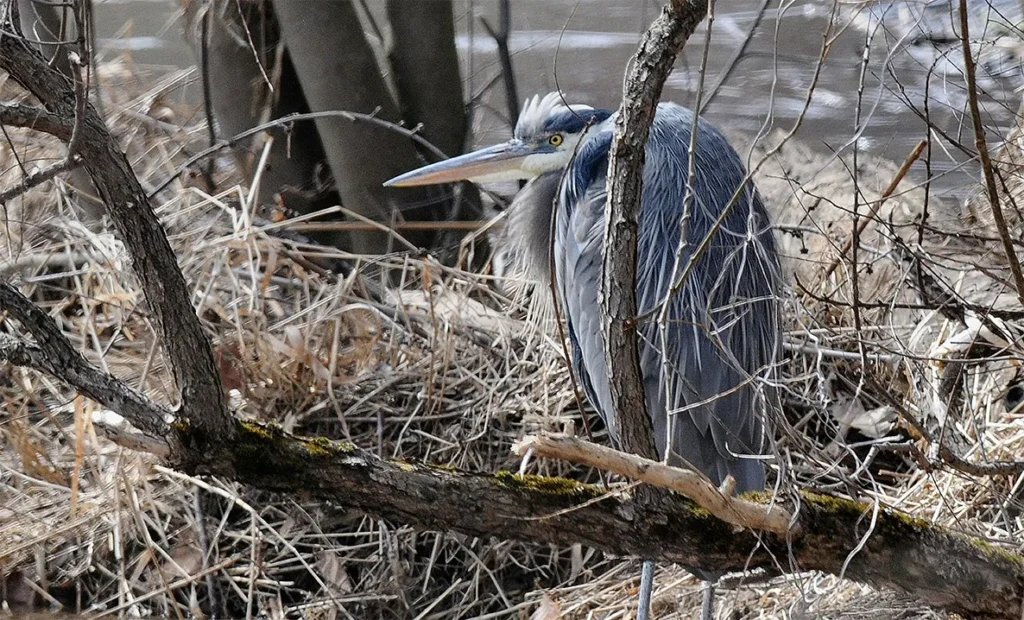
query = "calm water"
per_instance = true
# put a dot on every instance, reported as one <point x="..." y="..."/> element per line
<point x="583" y="48"/>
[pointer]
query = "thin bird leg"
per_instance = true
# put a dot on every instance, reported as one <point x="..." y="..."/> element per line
<point x="707" y="603"/>
<point x="646" y="590"/>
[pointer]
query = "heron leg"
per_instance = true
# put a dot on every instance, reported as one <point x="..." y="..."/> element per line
<point x="707" y="603"/>
<point x="646" y="590"/>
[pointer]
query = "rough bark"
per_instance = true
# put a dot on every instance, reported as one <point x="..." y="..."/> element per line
<point x="642" y="90"/>
<point x="241" y="43"/>
<point x="153" y="261"/>
<point x="944" y="569"/>
<point x="338" y="71"/>
<point x="425" y="66"/>
<point x="884" y="548"/>
<point x="31" y="117"/>
<point x="53" y="354"/>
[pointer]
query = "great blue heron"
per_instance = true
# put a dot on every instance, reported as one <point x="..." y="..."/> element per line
<point x="701" y="357"/>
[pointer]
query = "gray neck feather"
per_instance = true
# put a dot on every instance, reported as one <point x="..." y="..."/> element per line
<point x="529" y="225"/>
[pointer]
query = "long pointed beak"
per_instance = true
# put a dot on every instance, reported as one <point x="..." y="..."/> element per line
<point x="502" y="162"/>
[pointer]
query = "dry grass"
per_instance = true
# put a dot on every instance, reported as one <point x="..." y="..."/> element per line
<point x="444" y="368"/>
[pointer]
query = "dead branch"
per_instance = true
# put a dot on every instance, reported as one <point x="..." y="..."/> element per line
<point x="904" y="169"/>
<point x="734" y="61"/>
<point x="39" y="177"/>
<point x="946" y="569"/>
<point x="986" y="160"/>
<point x="642" y="90"/>
<point x="120" y="431"/>
<point x="54" y="355"/>
<point x="31" y="117"/>
<point x="946" y="455"/>
<point x="500" y="37"/>
<point x="153" y="261"/>
<point x="742" y="512"/>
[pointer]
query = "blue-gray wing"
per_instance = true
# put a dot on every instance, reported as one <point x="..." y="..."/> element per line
<point x="701" y="366"/>
<point x="579" y="231"/>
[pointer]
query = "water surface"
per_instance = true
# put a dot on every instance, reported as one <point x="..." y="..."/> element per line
<point x="882" y="60"/>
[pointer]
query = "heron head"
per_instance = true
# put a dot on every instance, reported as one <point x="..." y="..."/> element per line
<point x="544" y="141"/>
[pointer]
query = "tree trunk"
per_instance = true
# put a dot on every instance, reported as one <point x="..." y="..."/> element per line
<point x="338" y="71"/>
<point x="425" y="66"/>
<point x="241" y="55"/>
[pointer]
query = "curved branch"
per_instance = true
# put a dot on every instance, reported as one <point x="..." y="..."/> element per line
<point x="54" y="355"/>
<point x="153" y="261"/>
<point x="651" y="65"/>
<point x="31" y="117"/>
<point x="738" y="511"/>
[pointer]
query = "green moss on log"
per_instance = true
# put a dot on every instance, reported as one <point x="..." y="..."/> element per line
<point x="258" y="446"/>
<point x="548" y="486"/>
<point x="997" y="553"/>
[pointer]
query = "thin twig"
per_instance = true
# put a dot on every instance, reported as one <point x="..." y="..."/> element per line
<point x="735" y="60"/>
<point x="412" y="134"/>
<point x="39" y="177"/>
<point x="986" y="161"/>
<point x="78" y="59"/>
<point x="468" y="225"/>
<point x="737" y="511"/>
<point x="80" y="101"/>
<point x="900" y="174"/>
<point x="500" y="37"/>
<point x="204" y="69"/>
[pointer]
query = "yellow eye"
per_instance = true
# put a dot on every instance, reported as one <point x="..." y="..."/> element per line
<point x="556" y="140"/>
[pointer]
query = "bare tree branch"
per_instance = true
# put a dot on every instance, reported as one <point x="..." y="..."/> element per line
<point x="696" y="486"/>
<point x="191" y="358"/>
<point x="945" y="569"/>
<point x="986" y="160"/>
<point x="735" y="60"/>
<point x="39" y="177"/>
<point x="54" y="355"/>
<point x="285" y="121"/>
<point x="508" y="75"/>
<point x="30" y="117"/>
<point x="651" y="65"/>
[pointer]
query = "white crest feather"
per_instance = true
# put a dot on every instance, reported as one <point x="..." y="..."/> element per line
<point x="537" y="109"/>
